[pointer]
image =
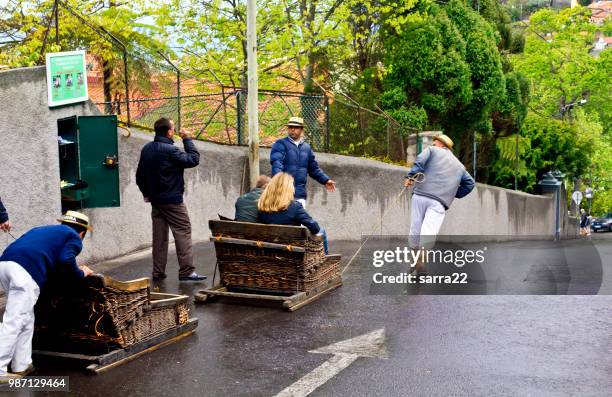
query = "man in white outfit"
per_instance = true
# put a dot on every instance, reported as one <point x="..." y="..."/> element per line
<point x="25" y="267"/>
<point x="445" y="179"/>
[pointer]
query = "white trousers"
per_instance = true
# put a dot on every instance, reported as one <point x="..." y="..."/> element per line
<point x="17" y="327"/>
<point x="426" y="217"/>
<point x="302" y="201"/>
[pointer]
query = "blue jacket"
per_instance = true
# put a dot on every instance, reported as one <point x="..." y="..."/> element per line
<point x="160" y="170"/>
<point x="298" y="161"/>
<point x="45" y="250"/>
<point x="3" y="214"/>
<point x="294" y="215"/>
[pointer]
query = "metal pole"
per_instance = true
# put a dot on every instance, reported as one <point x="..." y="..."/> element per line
<point x="516" y="168"/>
<point x="252" y="91"/>
<point x="363" y="151"/>
<point x="239" y="117"/>
<point x="127" y="86"/>
<point x="557" y="215"/>
<point x="388" y="138"/>
<point x="229" y="138"/>
<point x="326" y="123"/>
<point x="178" y="98"/>
<point x="474" y="156"/>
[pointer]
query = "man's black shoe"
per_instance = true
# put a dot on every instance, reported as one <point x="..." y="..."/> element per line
<point x="193" y="277"/>
<point x="158" y="277"/>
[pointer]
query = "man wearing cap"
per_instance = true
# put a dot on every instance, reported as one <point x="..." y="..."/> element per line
<point x="160" y="179"/>
<point x="445" y="179"/>
<point x="295" y="157"/>
<point x="5" y="224"/>
<point x="25" y="267"/>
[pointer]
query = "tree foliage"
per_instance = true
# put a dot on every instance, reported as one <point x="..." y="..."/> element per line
<point x="140" y="26"/>
<point x="546" y="144"/>
<point x="570" y="106"/>
<point x="558" y="62"/>
<point x="445" y="71"/>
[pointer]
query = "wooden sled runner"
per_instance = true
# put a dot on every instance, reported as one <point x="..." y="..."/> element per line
<point x="96" y="364"/>
<point x="103" y="322"/>
<point x="270" y="264"/>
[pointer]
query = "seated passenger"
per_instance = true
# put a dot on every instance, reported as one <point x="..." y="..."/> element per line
<point x="277" y="206"/>
<point x="246" y="205"/>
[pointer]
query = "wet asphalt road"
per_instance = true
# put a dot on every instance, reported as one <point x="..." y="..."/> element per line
<point x="438" y="345"/>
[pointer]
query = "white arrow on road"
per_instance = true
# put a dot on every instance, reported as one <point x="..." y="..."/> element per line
<point x="344" y="353"/>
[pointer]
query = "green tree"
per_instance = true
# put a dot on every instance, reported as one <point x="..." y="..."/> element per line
<point x="546" y="144"/>
<point x="295" y="39"/>
<point x="560" y="67"/>
<point x="568" y="125"/>
<point x="140" y="25"/>
<point x="445" y="72"/>
<point x="600" y="176"/>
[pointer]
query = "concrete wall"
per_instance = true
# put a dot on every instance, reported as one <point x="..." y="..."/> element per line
<point x="29" y="162"/>
<point x="367" y="190"/>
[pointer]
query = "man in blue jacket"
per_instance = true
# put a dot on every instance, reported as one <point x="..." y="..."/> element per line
<point x="160" y="179"/>
<point x="5" y="224"/>
<point x="25" y="267"/>
<point x="295" y="157"/>
<point x="445" y="179"/>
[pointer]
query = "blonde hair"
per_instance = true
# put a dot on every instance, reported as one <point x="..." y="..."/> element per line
<point x="278" y="194"/>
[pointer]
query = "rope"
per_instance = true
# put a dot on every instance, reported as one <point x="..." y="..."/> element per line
<point x="419" y="177"/>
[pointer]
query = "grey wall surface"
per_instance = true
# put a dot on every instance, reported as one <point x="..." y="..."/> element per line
<point x="29" y="158"/>
<point x="367" y="190"/>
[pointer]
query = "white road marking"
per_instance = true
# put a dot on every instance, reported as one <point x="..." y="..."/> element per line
<point x="344" y="353"/>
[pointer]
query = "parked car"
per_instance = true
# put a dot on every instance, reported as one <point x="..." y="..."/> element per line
<point x="603" y="223"/>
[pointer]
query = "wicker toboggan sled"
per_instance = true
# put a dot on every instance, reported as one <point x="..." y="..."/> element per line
<point x="259" y="262"/>
<point x="109" y="319"/>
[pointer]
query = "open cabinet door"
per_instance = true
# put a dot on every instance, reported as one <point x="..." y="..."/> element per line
<point x="99" y="160"/>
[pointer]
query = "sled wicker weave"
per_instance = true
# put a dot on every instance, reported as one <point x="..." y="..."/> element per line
<point x="270" y="258"/>
<point x="103" y="313"/>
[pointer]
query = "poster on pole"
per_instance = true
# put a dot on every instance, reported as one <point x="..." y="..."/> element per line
<point x="66" y="78"/>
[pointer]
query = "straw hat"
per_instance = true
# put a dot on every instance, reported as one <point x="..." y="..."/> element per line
<point x="76" y="218"/>
<point x="296" y="122"/>
<point x="445" y="139"/>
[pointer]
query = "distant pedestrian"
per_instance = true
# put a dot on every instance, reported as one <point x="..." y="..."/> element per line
<point x="5" y="223"/>
<point x="160" y="179"/>
<point x="295" y="157"/>
<point x="445" y="179"/>
<point x="25" y="266"/>
<point x="584" y="223"/>
<point x="277" y="206"/>
<point x="246" y="205"/>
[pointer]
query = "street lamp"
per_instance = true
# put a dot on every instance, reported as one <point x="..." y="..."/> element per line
<point x="570" y="106"/>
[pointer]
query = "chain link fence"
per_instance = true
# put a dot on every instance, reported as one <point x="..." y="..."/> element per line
<point x="275" y="109"/>
<point x="358" y="131"/>
<point x="140" y="87"/>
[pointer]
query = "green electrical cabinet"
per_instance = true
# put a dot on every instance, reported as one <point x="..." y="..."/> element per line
<point x="89" y="162"/>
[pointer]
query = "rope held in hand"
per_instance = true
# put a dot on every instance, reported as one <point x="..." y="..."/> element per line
<point x="419" y="177"/>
